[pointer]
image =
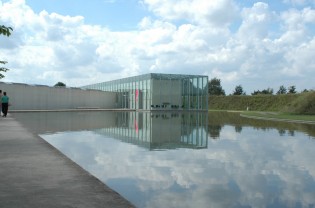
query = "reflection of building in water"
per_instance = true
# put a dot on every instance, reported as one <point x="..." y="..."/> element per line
<point x="153" y="130"/>
<point x="160" y="130"/>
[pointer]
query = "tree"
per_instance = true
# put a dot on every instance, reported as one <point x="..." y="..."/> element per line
<point x="282" y="90"/>
<point x="291" y="90"/>
<point x="239" y="90"/>
<point x="60" y="84"/>
<point x="215" y="87"/>
<point x="2" y="69"/>
<point x="256" y="92"/>
<point x="268" y="91"/>
<point x="6" y="31"/>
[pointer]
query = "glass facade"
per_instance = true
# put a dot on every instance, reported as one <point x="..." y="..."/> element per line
<point x="158" y="92"/>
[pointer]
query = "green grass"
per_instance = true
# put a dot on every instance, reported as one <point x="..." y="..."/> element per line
<point x="284" y="116"/>
<point x="294" y="107"/>
<point x="304" y="104"/>
<point x="301" y="103"/>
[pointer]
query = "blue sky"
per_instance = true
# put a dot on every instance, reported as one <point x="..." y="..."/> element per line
<point x="256" y="44"/>
<point x="115" y="14"/>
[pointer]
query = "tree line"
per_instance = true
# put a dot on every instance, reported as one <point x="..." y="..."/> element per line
<point x="215" y="88"/>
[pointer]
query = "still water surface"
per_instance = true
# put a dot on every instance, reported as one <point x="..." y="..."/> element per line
<point x="190" y="159"/>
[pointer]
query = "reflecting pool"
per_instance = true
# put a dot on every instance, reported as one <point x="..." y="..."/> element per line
<point x="188" y="159"/>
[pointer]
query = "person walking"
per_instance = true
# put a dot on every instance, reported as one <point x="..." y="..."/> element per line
<point x="0" y="102"/>
<point x="5" y="104"/>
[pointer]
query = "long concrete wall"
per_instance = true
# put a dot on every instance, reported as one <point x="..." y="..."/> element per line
<point x="39" y="97"/>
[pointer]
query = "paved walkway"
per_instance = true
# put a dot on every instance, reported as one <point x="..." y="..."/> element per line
<point x="34" y="174"/>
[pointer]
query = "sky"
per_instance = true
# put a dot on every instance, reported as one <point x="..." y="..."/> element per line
<point x="255" y="44"/>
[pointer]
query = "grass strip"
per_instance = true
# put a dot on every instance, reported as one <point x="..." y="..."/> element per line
<point x="279" y="116"/>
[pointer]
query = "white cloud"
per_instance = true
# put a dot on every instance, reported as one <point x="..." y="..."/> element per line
<point x="218" y="12"/>
<point x="227" y="173"/>
<point x="187" y="37"/>
<point x="296" y="20"/>
<point x="256" y="21"/>
<point x="299" y="57"/>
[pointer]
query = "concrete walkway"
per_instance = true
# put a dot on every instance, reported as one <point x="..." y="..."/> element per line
<point x="34" y="174"/>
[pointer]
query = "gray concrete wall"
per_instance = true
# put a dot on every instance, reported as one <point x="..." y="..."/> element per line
<point x="38" y="97"/>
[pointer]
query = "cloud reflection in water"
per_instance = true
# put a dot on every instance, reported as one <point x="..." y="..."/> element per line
<point x="251" y="167"/>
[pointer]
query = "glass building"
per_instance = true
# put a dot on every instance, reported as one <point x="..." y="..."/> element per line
<point x="158" y="92"/>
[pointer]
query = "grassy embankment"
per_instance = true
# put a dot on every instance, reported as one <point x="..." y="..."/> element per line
<point x="299" y="107"/>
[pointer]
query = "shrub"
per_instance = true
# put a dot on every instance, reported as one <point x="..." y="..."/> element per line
<point x="304" y="104"/>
